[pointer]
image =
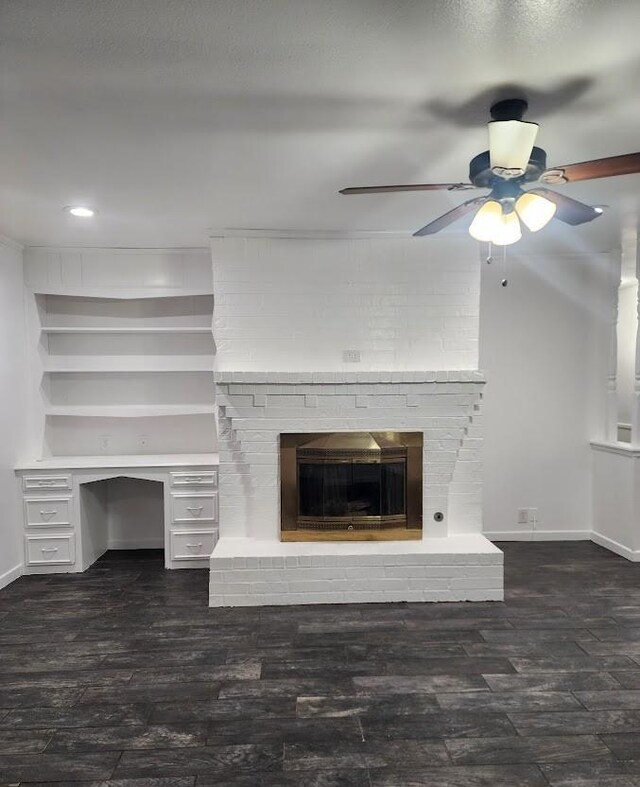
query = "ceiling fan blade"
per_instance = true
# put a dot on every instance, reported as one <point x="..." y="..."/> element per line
<point x="448" y="218"/>
<point x="627" y="164"/>
<point x="408" y="187"/>
<point x="567" y="209"/>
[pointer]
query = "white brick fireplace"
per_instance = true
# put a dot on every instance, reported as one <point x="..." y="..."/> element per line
<point x="300" y="304"/>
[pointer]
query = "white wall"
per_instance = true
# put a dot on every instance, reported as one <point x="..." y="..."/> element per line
<point x="616" y="501"/>
<point x="135" y="514"/>
<point x="297" y="304"/>
<point x="96" y="271"/>
<point x="541" y="342"/>
<point x="12" y="398"/>
<point x="627" y="329"/>
<point x="94" y="508"/>
<point x="121" y="513"/>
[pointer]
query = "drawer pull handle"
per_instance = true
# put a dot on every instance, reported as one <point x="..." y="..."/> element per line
<point x="48" y="549"/>
<point x="194" y="478"/>
<point x="195" y="509"/>
<point x="47" y="483"/>
<point x="48" y="512"/>
<point x="194" y="546"/>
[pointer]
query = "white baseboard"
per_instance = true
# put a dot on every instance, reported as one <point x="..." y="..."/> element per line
<point x="613" y="546"/>
<point x="566" y="535"/>
<point x="10" y="575"/>
<point x="538" y="535"/>
<point x="145" y="543"/>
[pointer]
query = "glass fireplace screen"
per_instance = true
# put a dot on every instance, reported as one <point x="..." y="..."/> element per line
<point x="350" y="482"/>
<point x="351" y="489"/>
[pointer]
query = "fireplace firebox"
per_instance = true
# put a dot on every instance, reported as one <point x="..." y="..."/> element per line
<point x="351" y="486"/>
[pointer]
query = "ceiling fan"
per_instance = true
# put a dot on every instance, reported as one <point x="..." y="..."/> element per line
<point x="512" y="162"/>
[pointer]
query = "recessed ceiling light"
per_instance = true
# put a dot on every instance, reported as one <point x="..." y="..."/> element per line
<point x="80" y="211"/>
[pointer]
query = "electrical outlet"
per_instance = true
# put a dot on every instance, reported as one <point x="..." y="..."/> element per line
<point x="523" y="516"/>
<point x="103" y="443"/>
<point x="351" y="356"/>
<point x="533" y="515"/>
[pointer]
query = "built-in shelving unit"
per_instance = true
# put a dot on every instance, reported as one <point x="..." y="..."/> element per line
<point x="124" y="375"/>
<point x="120" y="449"/>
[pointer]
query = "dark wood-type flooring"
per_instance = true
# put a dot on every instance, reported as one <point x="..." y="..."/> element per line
<point x="123" y="677"/>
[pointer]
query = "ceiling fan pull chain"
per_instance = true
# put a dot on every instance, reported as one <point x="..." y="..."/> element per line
<point x="504" y="281"/>
<point x="490" y="254"/>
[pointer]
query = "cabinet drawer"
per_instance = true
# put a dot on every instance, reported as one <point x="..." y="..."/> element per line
<point x="203" y="478"/>
<point x="194" y="507"/>
<point x="49" y="550"/>
<point x="32" y="482"/>
<point x="192" y="544"/>
<point x="47" y="511"/>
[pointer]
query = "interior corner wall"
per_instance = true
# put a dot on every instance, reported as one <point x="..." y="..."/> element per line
<point x="541" y="341"/>
<point x="297" y="304"/>
<point x="627" y="330"/>
<point x="12" y="409"/>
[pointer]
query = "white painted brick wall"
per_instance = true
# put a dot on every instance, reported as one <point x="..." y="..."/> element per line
<point x="411" y="309"/>
<point x="299" y="303"/>
<point x="445" y="412"/>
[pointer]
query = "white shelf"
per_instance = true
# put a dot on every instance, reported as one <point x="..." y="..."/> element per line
<point x="133" y="460"/>
<point x="121" y="374"/>
<point x="128" y="411"/>
<point x="114" y="330"/>
<point x="116" y="293"/>
<point x="123" y="365"/>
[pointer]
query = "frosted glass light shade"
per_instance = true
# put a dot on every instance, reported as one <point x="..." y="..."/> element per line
<point x="510" y="144"/>
<point x="508" y="231"/>
<point x="487" y="221"/>
<point x="535" y="211"/>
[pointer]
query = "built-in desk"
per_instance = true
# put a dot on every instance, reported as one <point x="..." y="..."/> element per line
<point x="65" y="524"/>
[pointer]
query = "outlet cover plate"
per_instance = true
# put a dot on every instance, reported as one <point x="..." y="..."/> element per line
<point x="351" y="356"/>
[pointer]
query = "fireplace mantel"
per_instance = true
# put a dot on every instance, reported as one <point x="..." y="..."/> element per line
<point x="344" y="378"/>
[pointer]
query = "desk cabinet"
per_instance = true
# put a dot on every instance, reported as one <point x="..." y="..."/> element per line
<point x="61" y="534"/>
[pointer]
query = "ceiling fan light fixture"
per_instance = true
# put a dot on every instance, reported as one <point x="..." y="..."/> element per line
<point x="535" y="211"/>
<point x="510" y="146"/>
<point x="512" y="163"/>
<point x="508" y="231"/>
<point x="487" y="221"/>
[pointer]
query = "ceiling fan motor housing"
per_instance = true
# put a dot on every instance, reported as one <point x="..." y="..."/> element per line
<point x="509" y="109"/>
<point x="483" y="177"/>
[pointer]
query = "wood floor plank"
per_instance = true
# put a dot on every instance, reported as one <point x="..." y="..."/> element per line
<point x="123" y="677"/>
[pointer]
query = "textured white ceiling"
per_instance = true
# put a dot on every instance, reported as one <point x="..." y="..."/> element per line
<point x="176" y="117"/>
